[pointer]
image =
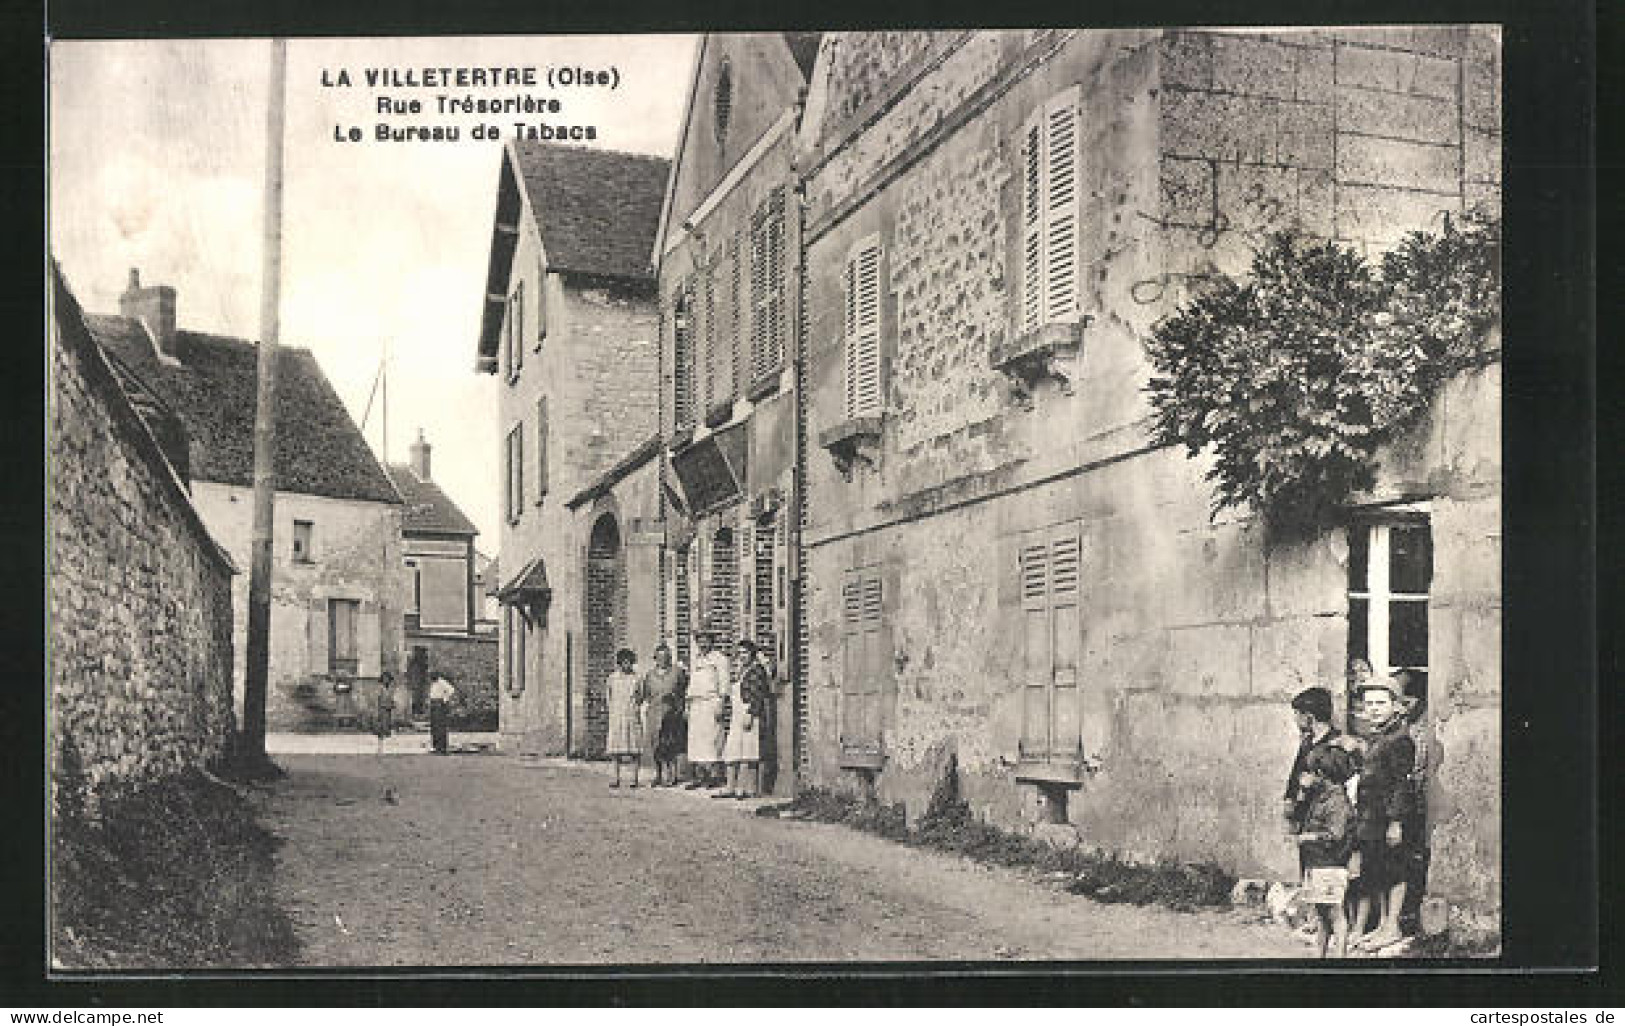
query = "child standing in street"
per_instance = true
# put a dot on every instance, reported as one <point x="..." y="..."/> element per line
<point x="627" y="697"/>
<point x="1325" y="842"/>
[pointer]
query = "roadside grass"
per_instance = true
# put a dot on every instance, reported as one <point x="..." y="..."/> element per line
<point x="175" y="875"/>
<point x="949" y="825"/>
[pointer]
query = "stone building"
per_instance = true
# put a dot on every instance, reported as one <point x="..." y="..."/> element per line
<point x="999" y="561"/>
<point x="138" y="607"/>
<point x="443" y="599"/>
<point x="336" y="614"/>
<point x="727" y="258"/>
<point x="570" y="324"/>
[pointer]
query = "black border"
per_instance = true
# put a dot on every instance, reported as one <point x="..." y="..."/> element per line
<point x="1550" y="701"/>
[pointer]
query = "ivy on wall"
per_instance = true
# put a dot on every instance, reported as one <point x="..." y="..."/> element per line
<point x="1296" y="374"/>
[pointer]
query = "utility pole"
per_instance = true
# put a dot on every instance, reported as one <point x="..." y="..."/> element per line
<point x="259" y="573"/>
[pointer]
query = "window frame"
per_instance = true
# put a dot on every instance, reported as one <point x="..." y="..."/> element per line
<point x="337" y="666"/>
<point x="1377" y="592"/>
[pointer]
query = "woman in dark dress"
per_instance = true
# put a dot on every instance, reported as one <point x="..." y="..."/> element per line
<point x="668" y="688"/>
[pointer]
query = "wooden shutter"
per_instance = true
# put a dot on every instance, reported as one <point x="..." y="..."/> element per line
<point x="541" y="447"/>
<point x="865" y="662"/>
<point x="1061" y="205"/>
<point x="1050" y="205"/>
<point x="1032" y="225"/>
<point x="316" y="628"/>
<point x="517" y="321"/>
<point x="1051" y="637"/>
<point x="767" y="287"/>
<point x="862" y="328"/>
<point x="368" y="642"/>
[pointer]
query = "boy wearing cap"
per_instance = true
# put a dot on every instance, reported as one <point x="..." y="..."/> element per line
<point x="1384" y="807"/>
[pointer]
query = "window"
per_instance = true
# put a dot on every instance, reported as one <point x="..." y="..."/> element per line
<point x="708" y="346"/>
<point x="302" y="551"/>
<point x="865" y="663"/>
<point x="444" y="592"/>
<point x="514" y="635"/>
<point x="1051" y="720"/>
<point x="416" y="574"/>
<point x="343" y="658"/>
<point x="516" y="473"/>
<point x="541" y="449"/>
<point x="1049" y="213"/>
<point x="516" y="332"/>
<point x="767" y="287"/>
<point x="862" y="328"/>
<point x="1390" y="573"/>
<point x="683" y="359"/>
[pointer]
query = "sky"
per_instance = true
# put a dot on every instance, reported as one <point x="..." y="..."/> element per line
<point x="157" y="162"/>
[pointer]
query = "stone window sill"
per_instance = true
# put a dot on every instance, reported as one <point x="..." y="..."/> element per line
<point x="1041" y="354"/>
<point x="862" y="759"/>
<point x="853" y="439"/>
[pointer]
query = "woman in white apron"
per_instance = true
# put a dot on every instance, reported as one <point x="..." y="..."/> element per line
<point x="708" y="681"/>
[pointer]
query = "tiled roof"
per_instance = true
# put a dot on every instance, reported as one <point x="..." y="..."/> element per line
<point x="597" y="209"/>
<point x="428" y="507"/>
<point x="319" y="449"/>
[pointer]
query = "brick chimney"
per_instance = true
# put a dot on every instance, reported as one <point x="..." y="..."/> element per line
<point x="419" y="457"/>
<point x="154" y="307"/>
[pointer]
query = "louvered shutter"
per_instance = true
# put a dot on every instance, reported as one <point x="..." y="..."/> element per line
<point x="1049" y="573"/>
<point x="1035" y="630"/>
<point x="1066" y="635"/>
<point x="1032" y="224"/>
<point x="862" y="328"/>
<point x="369" y="643"/>
<point x="1050" y="206"/>
<point x="851" y="659"/>
<point x="1061" y="208"/>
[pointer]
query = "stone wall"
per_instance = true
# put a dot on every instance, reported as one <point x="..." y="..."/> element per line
<point x="1196" y="630"/>
<point x="139" y="603"/>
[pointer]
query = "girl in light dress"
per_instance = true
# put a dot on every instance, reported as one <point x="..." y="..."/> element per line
<point x="628" y="697"/>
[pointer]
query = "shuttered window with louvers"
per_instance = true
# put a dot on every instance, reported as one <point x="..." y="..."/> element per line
<point x="1050" y="206"/>
<point x="864" y="286"/>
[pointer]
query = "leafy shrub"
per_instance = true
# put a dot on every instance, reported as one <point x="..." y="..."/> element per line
<point x="1296" y="375"/>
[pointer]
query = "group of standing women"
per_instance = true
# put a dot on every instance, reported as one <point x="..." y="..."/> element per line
<point x="713" y="714"/>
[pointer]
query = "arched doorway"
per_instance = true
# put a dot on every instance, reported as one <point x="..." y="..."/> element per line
<point x="606" y="618"/>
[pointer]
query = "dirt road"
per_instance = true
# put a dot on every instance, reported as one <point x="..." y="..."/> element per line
<point x="497" y="860"/>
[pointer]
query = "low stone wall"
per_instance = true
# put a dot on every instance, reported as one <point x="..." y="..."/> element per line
<point x="139" y="604"/>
